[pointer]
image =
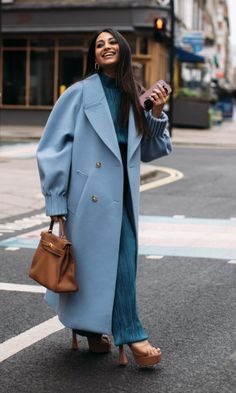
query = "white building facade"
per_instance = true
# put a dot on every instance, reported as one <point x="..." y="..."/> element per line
<point x="209" y="18"/>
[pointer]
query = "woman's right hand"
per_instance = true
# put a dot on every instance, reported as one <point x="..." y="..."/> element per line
<point x="57" y="218"/>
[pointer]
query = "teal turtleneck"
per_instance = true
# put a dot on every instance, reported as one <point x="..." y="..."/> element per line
<point x="113" y="96"/>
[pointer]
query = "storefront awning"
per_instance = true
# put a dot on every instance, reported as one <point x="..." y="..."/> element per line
<point x="188" y="57"/>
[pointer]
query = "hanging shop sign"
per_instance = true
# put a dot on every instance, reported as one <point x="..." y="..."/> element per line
<point x="195" y="39"/>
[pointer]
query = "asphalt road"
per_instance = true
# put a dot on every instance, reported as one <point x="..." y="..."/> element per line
<point x="186" y="304"/>
<point x="207" y="190"/>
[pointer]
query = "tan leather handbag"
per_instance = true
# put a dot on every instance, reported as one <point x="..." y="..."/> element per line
<point x="53" y="264"/>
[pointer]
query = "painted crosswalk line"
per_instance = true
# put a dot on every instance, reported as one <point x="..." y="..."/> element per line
<point x="23" y="223"/>
<point x="18" y="150"/>
<point x="172" y="236"/>
<point x="188" y="237"/>
<point x="16" y="344"/>
<point x="4" y="286"/>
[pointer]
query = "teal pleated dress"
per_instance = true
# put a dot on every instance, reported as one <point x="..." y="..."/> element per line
<point x="126" y="326"/>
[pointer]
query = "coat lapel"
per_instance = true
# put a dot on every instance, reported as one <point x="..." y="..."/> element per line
<point x="98" y="113"/>
<point x="134" y="138"/>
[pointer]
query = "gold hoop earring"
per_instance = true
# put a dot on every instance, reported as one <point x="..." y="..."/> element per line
<point x="96" y="66"/>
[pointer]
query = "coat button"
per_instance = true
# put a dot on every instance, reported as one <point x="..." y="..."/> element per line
<point x="94" y="198"/>
<point x="98" y="164"/>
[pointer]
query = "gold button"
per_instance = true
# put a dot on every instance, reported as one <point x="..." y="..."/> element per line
<point x="94" y="198"/>
<point x="98" y="164"/>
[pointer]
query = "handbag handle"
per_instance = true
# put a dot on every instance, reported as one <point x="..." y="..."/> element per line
<point x="61" y="226"/>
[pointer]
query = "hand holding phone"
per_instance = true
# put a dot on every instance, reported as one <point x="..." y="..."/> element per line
<point x="144" y="99"/>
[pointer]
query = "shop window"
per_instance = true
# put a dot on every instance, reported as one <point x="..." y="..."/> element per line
<point x="70" y="69"/>
<point x="132" y="43"/>
<point x="14" y="77"/>
<point x="139" y="71"/>
<point x="191" y="76"/>
<point x="41" y="77"/>
<point x="144" y="45"/>
<point x="14" y="42"/>
<point x="41" y="42"/>
<point x="73" y="41"/>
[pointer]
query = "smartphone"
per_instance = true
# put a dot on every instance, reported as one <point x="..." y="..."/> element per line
<point x="144" y="98"/>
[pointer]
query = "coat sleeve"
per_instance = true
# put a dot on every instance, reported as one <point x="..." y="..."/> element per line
<point x="55" y="150"/>
<point x="158" y="142"/>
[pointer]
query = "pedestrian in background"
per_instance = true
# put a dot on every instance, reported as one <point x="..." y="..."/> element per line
<point x="89" y="163"/>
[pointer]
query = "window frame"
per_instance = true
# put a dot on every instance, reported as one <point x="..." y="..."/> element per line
<point x="147" y="59"/>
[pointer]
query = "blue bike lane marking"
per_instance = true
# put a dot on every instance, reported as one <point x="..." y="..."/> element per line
<point x="167" y="236"/>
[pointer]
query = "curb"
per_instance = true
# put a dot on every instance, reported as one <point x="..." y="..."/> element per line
<point x="205" y="145"/>
<point x="145" y="177"/>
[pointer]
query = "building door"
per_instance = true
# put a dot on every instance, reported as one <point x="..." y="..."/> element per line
<point x="71" y="67"/>
<point x="41" y="77"/>
<point x="14" y="81"/>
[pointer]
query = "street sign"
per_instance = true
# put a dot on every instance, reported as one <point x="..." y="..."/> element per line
<point x="195" y="39"/>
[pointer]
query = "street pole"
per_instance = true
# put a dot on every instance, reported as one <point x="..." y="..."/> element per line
<point x="171" y="63"/>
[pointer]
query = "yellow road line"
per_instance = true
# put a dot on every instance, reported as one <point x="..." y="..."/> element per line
<point x="174" y="175"/>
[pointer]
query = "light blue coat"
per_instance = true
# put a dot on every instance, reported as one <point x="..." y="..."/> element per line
<point x="81" y="175"/>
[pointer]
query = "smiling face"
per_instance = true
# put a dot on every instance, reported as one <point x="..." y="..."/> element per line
<point x="107" y="52"/>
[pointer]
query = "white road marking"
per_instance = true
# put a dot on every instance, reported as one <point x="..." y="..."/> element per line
<point x="12" y="248"/>
<point x="18" y="150"/>
<point x="233" y="356"/>
<point x="233" y="261"/>
<point x="16" y="344"/>
<point x="170" y="236"/>
<point x="24" y="223"/>
<point x="4" y="286"/>
<point x="174" y="175"/>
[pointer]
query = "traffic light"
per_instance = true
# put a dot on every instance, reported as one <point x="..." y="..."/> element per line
<point x="160" y="25"/>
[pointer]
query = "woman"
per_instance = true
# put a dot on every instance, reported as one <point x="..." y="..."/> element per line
<point x="89" y="164"/>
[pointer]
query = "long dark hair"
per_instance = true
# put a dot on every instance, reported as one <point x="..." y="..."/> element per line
<point x="124" y="79"/>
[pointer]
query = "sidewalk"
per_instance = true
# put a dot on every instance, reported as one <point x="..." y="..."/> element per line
<point x="222" y="135"/>
<point x="20" y="188"/>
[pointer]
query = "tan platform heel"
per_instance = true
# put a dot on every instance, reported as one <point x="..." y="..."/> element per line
<point x="75" y="346"/>
<point x="123" y="360"/>
<point x="142" y="355"/>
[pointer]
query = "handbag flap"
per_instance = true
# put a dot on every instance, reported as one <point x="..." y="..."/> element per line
<point x="58" y="242"/>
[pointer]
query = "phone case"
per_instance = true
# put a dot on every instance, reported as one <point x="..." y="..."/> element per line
<point x="144" y="98"/>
